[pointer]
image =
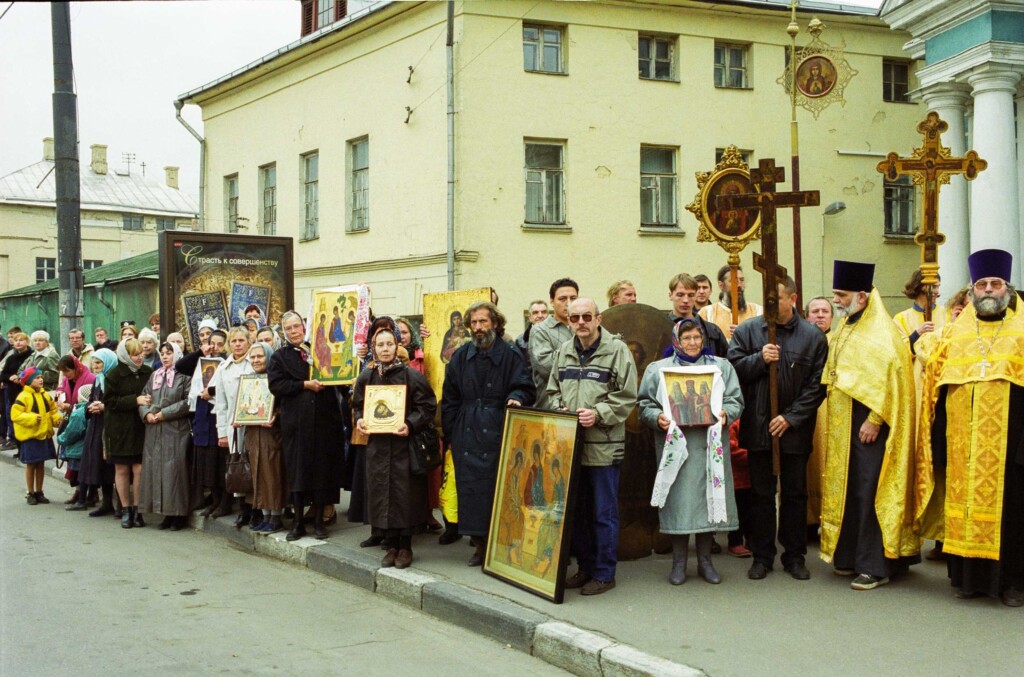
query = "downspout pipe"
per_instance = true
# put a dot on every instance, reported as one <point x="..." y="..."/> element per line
<point x="178" y="105"/>
<point x="449" y="56"/>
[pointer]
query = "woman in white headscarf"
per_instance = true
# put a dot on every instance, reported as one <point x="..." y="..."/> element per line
<point x="165" y="488"/>
<point x="44" y="358"/>
<point x="263" y="444"/>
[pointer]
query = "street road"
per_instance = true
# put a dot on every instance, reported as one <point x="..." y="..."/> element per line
<point x="80" y="596"/>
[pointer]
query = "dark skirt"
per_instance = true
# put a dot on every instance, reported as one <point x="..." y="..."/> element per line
<point x="36" y="451"/>
<point x="209" y="465"/>
<point x="134" y="459"/>
<point x="357" y="498"/>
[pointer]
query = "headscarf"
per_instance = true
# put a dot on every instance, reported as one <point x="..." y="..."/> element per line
<point x="207" y="323"/>
<point x="39" y="333"/>
<point x="109" y="360"/>
<point x="165" y="375"/>
<point x="414" y="336"/>
<point x="268" y="350"/>
<point x="679" y="355"/>
<point x="385" y="367"/>
<point x="124" y="358"/>
<point x="84" y="393"/>
<point x="83" y="376"/>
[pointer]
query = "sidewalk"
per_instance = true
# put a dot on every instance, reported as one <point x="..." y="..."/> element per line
<point x="647" y="627"/>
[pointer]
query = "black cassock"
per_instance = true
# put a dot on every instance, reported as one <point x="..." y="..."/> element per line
<point x="311" y="426"/>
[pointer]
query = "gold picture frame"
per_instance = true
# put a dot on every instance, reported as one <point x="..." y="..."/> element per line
<point x="384" y="408"/>
<point x="731" y="229"/>
<point x="254" y="403"/>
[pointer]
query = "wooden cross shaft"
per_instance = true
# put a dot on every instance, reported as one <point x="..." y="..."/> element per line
<point x="930" y="166"/>
<point x="767" y="201"/>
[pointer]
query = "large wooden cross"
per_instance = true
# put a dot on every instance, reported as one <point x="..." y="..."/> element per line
<point x="931" y="165"/>
<point x="767" y="201"/>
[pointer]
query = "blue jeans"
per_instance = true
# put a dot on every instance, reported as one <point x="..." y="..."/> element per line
<point x="595" y="528"/>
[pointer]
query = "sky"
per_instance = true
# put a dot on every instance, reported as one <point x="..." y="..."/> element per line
<point x="132" y="60"/>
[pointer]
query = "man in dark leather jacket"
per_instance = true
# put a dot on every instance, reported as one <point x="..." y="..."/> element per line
<point x="800" y="353"/>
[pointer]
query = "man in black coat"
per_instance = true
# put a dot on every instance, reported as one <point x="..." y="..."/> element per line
<point x="483" y="377"/>
<point x="800" y="354"/>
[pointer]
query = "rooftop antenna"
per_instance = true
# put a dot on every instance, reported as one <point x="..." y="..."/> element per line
<point x="128" y="159"/>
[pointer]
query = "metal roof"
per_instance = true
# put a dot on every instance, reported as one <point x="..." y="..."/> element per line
<point x="143" y="266"/>
<point x="36" y="185"/>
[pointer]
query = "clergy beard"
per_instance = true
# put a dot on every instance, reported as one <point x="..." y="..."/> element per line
<point x="991" y="306"/>
<point x="847" y="310"/>
<point x="483" y="340"/>
<point x="726" y="300"/>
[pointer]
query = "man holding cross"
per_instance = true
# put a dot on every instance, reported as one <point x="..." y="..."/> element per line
<point x="971" y="409"/>
<point x="869" y="467"/>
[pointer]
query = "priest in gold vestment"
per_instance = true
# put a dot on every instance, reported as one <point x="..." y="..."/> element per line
<point x="971" y="434"/>
<point x="868" y="482"/>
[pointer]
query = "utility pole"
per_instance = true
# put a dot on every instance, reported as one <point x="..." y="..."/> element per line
<point x="69" y="216"/>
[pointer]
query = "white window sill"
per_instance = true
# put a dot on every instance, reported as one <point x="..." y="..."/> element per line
<point x="662" y="231"/>
<point x="547" y="228"/>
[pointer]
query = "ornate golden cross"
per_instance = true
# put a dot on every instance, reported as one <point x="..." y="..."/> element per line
<point x="766" y="177"/>
<point x="930" y="166"/>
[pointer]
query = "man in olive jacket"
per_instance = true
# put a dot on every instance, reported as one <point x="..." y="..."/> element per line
<point x="595" y="376"/>
<point x="800" y="352"/>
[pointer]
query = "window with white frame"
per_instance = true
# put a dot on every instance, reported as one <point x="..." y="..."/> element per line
<point x="268" y="192"/>
<point x="359" y="180"/>
<point x="542" y="48"/>
<point x="46" y="269"/>
<point x="895" y="81"/>
<point x="311" y="196"/>
<point x="731" y="66"/>
<point x="545" y="182"/>
<point x="657" y="186"/>
<point x="231" y="202"/>
<point x="898" y="203"/>
<point x="656" y="57"/>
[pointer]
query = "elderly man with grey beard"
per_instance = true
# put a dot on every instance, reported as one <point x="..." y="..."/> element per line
<point x="970" y="489"/>
<point x="483" y="377"/>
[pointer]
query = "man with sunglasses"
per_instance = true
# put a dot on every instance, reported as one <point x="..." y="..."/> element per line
<point x="971" y="493"/>
<point x="595" y="376"/>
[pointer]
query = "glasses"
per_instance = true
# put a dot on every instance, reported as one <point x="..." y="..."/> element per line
<point x="995" y="285"/>
<point x="586" y="317"/>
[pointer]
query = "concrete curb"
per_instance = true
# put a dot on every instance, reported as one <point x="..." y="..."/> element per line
<point x="560" y="644"/>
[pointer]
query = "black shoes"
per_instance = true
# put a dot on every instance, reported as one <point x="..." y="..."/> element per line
<point x="137" y="517"/>
<point x="126" y="519"/>
<point x="371" y="542"/>
<point x="450" y="534"/>
<point x="798" y="571"/>
<point x="757" y="571"/>
<point x="166" y="523"/>
<point x="1012" y="597"/>
<point x="298" y="530"/>
<point x="577" y="580"/>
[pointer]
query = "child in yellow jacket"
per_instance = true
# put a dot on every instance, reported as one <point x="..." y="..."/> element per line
<point x="35" y="418"/>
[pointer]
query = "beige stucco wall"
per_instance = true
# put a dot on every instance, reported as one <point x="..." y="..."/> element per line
<point x="601" y="109"/>
<point x="30" y="232"/>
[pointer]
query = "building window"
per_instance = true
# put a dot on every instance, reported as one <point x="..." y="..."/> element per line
<point x="310" y="196"/>
<point x="545" y="183"/>
<point x="731" y="66"/>
<point x="744" y="154"/>
<point x="657" y="186"/>
<point x="231" y="202"/>
<point x="899" y="207"/>
<point x="359" y="160"/>
<point x="131" y="221"/>
<point x="46" y="269"/>
<point x="268" y="189"/>
<point x="542" y="48"/>
<point x="656" y="56"/>
<point x="164" y="223"/>
<point x="89" y="264"/>
<point x="895" y="79"/>
<point x="319" y="13"/>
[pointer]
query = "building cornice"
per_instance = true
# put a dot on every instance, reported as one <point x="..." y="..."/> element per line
<point x="440" y="259"/>
<point x="958" y="67"/>
<point x="922" y="18"/>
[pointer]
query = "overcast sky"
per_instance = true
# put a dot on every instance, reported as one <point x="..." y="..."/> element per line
<point x="132" y="59"/>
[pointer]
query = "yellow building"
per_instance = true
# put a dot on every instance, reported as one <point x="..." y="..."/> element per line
<point x="578" y="129"/>
<point x="121" y="213"/>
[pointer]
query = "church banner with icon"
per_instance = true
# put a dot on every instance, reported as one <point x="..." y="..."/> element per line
<point x="338" y="324"/>
<point x="443" y="315"/>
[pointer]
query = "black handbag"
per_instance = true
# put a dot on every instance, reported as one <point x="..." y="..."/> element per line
<point x="238" y="478"/>
<point x="425" y="448"/>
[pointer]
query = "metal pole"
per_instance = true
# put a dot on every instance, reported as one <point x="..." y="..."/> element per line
<point x="69" y="217"/>
<point x="449" y="56"/>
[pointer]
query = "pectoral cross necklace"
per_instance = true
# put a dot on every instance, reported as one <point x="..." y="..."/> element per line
<point x="985" y="364"/>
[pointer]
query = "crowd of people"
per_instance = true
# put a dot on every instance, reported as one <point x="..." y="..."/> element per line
<point x="867" y="431"/>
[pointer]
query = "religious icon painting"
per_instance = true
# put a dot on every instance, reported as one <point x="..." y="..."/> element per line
<point x="384" y="408"/>
<point x="338" y="323"/>
<point x="737" y="224"/>
<point x="528" y="541"/>
<point x="443" y="314"/>
<point x="254" y="404"/>
<point x="691" y="396"/>
<point x="207" y="367"/>
<point x="815" y="76"/>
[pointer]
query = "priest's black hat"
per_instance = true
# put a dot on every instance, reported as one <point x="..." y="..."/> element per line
<point x="852" y="275"/>
<point x="990" y="263"/>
